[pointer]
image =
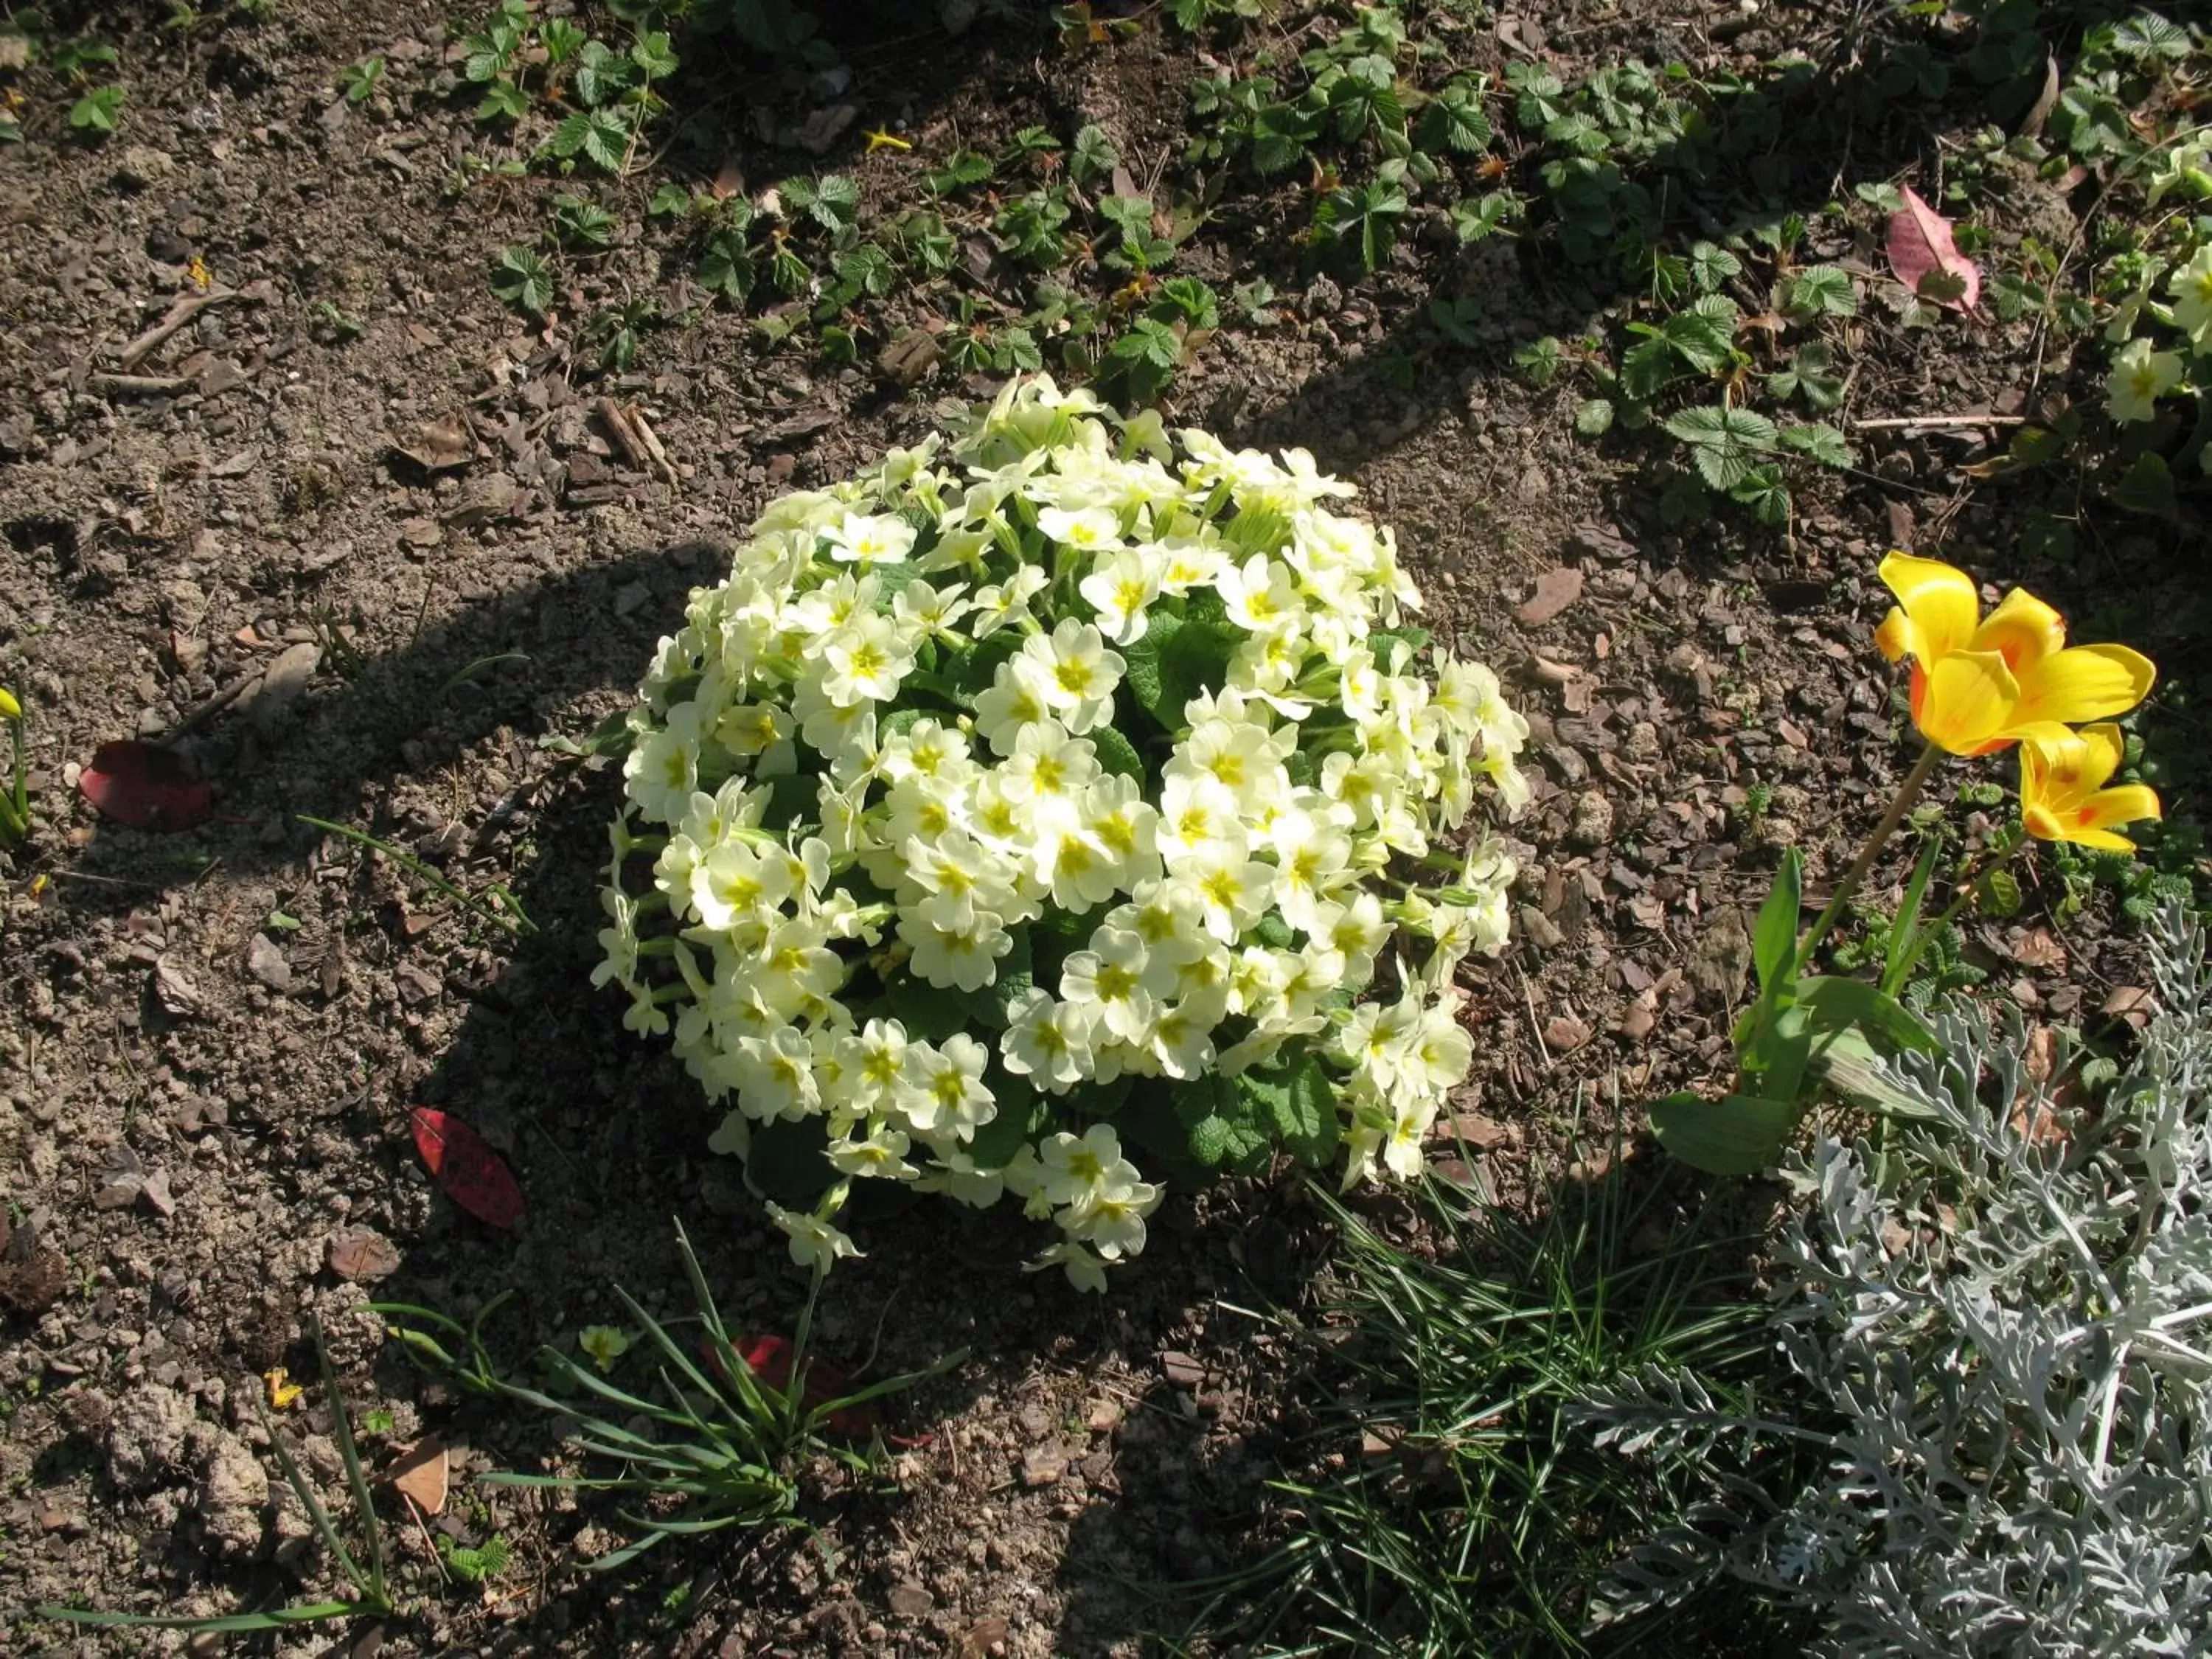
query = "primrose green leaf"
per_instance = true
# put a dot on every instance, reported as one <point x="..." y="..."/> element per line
<point x="1227" y="1128"/>
<point x="1141" y="667"/>
<point x="1298" y="1101"/>
<point x="1022" y="1115"/>
<point x="1116" y="753"/>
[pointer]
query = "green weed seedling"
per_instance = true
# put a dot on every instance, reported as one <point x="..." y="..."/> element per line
<point x="372" y="1596"/>
<point x="476" y="1565"/>
<point x="424" y="1334"/>
<point x="16" y="803"/>
<point x="716" y="1444"/>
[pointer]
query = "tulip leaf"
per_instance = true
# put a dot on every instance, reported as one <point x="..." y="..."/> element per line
<point x="1774" y="940"/>
<point x="1851" y="1066"/>
<point x="1832" y="1005"/>
<point x="1779" y="1055"/>
<point x="1739" y="1134"/>
<point x="1907" y="938"/>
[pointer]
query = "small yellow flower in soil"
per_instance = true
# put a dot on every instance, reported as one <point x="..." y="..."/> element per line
<point x="1980" y="682"/>
<point x="9" y="709"/>
<point x="283" y="1393"/>
<point x="2063" y="794"/>
<point x="604" y="1344"/>
<point x="2140" y="377"/>
<point x="202" y="277"/>
<point x="882" y="140"/>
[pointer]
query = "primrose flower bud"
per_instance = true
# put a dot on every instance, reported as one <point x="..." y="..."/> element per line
<point x="9" y="709"/>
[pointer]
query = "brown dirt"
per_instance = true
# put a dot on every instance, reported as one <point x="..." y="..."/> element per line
<point x="213" y="1039"/>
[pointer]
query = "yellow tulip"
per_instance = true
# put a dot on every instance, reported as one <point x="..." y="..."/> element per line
<point x="2063" y="795"/>
<point x="1979" y="682"/>
<point x="9" y="709"/>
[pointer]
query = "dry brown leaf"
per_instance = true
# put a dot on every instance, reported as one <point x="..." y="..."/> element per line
<point x="421" y="1474"/>
<point x="2038" y="949"/>
<point x="1479" y="1130"/>
<point x="362" y="1252"/>
<point x="2129" y="1002"/>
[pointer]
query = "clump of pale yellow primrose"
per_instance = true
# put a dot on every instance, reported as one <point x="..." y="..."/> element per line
<point x="1035" y="805"/>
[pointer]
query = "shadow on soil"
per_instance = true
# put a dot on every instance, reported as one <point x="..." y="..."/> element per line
<point x="606" y="1135"/>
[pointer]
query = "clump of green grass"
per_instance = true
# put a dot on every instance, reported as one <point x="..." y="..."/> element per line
<point x="1459" y="1509"/>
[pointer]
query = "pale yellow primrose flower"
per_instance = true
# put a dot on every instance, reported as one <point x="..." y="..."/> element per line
<point x="2192" y="289"/>
<point x="2140" y="377"/>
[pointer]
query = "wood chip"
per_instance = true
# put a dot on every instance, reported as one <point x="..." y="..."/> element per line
<point x="1556" y="589"/>
<point x="1565" y="1034"/>
<point x="1480" y="1130"/>
<point x="440" y="445"/>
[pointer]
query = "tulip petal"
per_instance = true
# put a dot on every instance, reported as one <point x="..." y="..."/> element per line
<point x="2023" y="629"/>
<point x="2126" y="803"/>
<point x="2059" y="766"/>
<point x="1968" y="701"/>
<point x="2103" y="749"/>
<point x="2105" y="841"/>
<point x="2083" y="682"/>
<point x="1940" y="605"/>
<point x="1894" y="639"/>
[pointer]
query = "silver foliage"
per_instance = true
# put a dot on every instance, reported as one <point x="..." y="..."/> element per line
<point x="1995" y="1331"/>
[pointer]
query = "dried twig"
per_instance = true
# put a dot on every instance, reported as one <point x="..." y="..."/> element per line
<point x="1900" y="421"/>
<point x="136" y="385"/>
<point x="616" y="421"/>
<point x="213" y="704"/>
<point x="634" y="438"/>
<point x="188" y="307"/>
<point x="1535" y="1027"/>
<point x="661" y="462"/>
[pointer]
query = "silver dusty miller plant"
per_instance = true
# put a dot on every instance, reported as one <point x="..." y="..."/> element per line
<point x="2000" y="1393"/>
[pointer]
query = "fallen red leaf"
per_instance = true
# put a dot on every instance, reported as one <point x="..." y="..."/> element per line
<point x="769" y="1357"/>
<point x="472" y="1175"/>
<point x="1926" y="259"/>
<point x="146" y="787"/>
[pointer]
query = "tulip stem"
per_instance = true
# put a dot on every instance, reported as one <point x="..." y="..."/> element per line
<point x="1907" y="793"/>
